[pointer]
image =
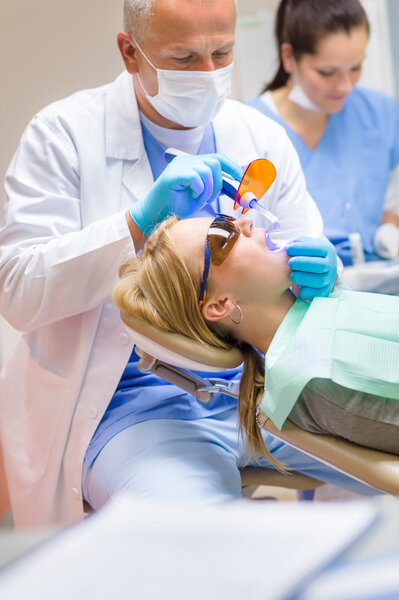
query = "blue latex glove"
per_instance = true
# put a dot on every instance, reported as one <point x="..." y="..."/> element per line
<point x="186" y="185"/>
<point x="314" y="266"/>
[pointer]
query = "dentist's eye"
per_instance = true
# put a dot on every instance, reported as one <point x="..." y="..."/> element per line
<point x="182" y="59"/>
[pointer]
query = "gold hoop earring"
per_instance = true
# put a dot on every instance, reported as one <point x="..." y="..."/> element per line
<point x="260" y="423"/>
<point x="238" y="307"/>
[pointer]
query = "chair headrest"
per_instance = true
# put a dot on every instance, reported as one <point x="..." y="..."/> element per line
<point x="178" y="350"/>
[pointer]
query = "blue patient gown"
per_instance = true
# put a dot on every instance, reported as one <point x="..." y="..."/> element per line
<point x="351" y="164"/>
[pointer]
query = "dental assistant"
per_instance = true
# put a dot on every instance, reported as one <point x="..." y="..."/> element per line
<point x="80" y="200"/>
<point x="347" y="137"/>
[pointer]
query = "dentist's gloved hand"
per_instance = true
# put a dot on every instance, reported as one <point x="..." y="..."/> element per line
<point x="186" y="185"/>
<point x="314" y="266"/>
<point x="386" y="240"/>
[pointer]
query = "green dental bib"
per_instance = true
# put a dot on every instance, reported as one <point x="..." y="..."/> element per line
<point x="349" y="337"/>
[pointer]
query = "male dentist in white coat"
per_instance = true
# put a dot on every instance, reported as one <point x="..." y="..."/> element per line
<point x="78" y="419"/>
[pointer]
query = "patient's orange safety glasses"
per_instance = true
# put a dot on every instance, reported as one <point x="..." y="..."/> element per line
<point x="222" y="235"/>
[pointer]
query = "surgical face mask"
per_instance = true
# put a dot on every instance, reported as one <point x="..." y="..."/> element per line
<point x="190" y="98"/>
<point x="297" y="94"/>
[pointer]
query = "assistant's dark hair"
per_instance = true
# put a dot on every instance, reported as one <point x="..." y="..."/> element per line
<point x="302" y="23"/>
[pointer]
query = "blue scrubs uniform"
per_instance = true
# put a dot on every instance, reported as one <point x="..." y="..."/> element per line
<point x="350" y="165"/>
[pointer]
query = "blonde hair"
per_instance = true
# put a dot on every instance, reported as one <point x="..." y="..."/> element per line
<point x="159" y="288"/>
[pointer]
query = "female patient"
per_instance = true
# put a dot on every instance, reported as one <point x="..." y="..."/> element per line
<point x="332" y="366"/>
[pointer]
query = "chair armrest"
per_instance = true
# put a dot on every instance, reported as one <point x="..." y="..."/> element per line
<point x="377" y="469"/>
<point x="290" y="479"/>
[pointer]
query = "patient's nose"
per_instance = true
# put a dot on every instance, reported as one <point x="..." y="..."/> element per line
<point x="245" y="225"/>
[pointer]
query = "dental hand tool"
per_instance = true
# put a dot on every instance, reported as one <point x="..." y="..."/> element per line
<point x="231" y="188"/>
<point x="248" y="200"/>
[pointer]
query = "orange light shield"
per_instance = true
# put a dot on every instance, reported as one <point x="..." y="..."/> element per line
<point x="258" y="177"/>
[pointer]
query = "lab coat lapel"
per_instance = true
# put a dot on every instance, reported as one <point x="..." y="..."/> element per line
<point x="124" y="139"/>
<point x="138" y="177"/>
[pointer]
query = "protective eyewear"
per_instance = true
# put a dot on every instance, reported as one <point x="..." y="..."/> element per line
<point x="222" y="235"/>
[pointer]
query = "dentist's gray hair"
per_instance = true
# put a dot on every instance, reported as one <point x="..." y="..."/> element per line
<point x="136" y="16"/>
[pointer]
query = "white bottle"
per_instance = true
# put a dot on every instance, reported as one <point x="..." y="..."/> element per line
<point x="356" y="246"/>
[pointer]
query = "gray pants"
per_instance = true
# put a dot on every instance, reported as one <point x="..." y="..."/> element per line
<point x="329" y="408"/>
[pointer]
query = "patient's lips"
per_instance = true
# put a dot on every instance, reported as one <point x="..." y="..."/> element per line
<point x="272" y="246"/>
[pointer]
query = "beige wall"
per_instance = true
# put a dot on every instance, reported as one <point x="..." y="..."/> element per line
<point x="246" y="7"/>
<point x="49" y="49"/>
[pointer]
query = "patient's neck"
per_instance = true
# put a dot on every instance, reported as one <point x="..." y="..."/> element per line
<point x="260" y="323"/>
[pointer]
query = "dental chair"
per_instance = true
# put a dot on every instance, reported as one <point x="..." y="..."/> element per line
<point x="172" y="357"/>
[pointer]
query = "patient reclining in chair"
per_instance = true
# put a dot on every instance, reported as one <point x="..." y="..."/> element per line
<point x="331" y="366"/>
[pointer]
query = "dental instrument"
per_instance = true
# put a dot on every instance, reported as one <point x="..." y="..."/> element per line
<point x="247" y="200"/>
<point x="232" y="188"/>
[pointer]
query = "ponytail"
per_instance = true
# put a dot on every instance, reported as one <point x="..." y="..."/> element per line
<point x="280" y="35"/>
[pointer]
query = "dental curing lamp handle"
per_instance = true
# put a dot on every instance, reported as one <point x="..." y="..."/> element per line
<point x="229" y="186"/>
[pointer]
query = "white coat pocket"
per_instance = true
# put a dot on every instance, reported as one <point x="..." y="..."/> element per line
<point x="34" y="406"/>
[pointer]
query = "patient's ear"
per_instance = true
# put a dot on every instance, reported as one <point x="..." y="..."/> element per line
<point x="216" y="309"/>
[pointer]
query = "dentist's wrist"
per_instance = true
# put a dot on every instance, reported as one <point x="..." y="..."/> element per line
<point x="140" y="218"/>
<point x="139" y="238"/>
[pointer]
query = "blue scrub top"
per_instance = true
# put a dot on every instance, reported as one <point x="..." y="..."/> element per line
<point x="142" y="396"/>
<point x="351" y="164"/>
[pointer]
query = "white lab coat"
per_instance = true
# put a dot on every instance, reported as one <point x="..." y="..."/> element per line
<point x="80" y="163"/>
